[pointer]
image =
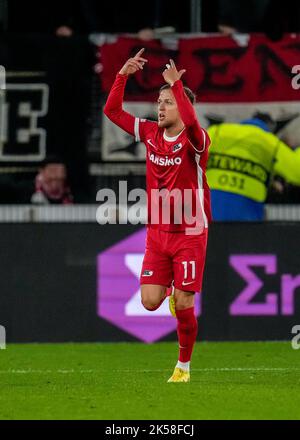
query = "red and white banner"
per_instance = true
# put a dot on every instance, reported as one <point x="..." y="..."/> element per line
<point x="233" y="78"/>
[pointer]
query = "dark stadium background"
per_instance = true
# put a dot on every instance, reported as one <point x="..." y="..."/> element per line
<point x="31" y="52"/>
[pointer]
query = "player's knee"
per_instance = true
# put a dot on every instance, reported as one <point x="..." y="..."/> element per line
<point x="149" y="305"/>
<point x="184" y="301"/>
<point x="152" y="297"/>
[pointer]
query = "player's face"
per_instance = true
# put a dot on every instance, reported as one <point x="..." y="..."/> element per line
<point x="168" y="114"/>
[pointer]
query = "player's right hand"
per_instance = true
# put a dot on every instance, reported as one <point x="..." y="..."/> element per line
<point x="134" y="64"/>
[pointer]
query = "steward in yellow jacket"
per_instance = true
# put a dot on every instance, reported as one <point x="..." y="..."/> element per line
<point x="243" y="159"/>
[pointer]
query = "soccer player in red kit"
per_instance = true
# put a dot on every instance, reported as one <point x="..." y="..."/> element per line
<point x="177" y="154"/>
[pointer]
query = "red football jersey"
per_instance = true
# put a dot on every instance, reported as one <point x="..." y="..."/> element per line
<point x="177" y="189"/>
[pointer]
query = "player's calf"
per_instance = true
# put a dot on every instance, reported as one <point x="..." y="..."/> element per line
<point x="187" y="330"/>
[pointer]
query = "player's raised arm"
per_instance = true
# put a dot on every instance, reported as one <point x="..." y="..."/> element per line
<point x="196" y="134"/>
<point x="114" y="105"/>
<point x="134" y="64"/>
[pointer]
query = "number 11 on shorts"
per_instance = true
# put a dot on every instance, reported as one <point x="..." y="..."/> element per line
<point x="189" y="265"/>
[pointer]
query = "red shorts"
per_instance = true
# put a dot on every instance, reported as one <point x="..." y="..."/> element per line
<point x="174" y="257"/>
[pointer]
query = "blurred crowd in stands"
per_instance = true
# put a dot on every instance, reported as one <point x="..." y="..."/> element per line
<point x="271" y="17"/>
<point x="51" y="184"/>
<point x="69" y="17"/>
<point x="74" y="18"/>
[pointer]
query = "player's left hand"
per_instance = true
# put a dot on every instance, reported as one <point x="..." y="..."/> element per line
<point x="171" y="74"/>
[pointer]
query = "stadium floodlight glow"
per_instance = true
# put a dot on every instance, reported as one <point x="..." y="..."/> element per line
<point x="2" y="78"/>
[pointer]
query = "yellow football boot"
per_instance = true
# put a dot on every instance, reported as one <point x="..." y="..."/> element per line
<point x="172" y="306"/>
<point x="180" y="376"/>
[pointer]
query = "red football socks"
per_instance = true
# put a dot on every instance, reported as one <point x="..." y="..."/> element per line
<point x="187" y="331"/>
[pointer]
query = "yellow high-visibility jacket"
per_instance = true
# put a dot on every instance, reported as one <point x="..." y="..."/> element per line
<point x="243" y="159"/>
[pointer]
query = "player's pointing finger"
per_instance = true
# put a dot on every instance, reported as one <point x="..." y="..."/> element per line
<point x="172" y="64"/>
<point x="140" y="53"/>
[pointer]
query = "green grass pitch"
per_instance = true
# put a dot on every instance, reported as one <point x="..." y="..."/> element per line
<point x="129" y="382"/>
